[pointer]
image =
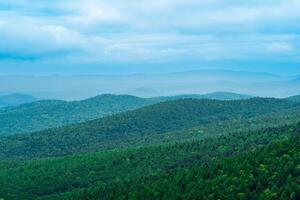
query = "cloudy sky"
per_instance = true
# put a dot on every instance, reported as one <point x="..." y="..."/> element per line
<point x="134" y="36"/>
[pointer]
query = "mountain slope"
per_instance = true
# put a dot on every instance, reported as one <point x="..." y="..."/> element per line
<point x="52" y="113"/>
<point x="38" y="178"/>
<point x="271" y="172"/>
<point x="16" y="99"/>
<point x="135" y="127"/>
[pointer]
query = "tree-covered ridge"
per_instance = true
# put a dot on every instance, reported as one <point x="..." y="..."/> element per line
<point x="45" y="114"/>
<point x="134" y="127"/>
<point x="54" y="113"/>
<point x="16" y="99"/>
<point x="294" y="98"/>
<point x="31" y="179"/>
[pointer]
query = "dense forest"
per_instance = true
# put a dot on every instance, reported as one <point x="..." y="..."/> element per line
<point x="268" y="173"/>
<point x="183" y="148"/>
<point x="32" y="179"/>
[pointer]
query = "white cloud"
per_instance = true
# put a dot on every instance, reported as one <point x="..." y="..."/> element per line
<point x="30" y="37"/>
<point x="90" y="13"/>
<point x="61" y="36"/>
<point x="279" y="47"/>
<point x="145" y="29"/>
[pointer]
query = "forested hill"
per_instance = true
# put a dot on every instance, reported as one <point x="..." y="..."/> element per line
<point x="129" y="128"/>
<point x="294" y="98"/>
<point x="52" y="113"/>
<point x="16" y="99"/>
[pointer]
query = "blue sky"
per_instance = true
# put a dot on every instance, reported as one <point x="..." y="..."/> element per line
<point x="135" y="36"/>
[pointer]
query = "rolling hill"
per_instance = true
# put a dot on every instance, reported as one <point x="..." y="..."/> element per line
<point x="45" y="114"/>
<point x="54" y="113"/>
<point x="137" y="127"/>
<point x="16" y="99"/>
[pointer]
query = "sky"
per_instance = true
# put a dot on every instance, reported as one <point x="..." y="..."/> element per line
<point x="147" y="36"/>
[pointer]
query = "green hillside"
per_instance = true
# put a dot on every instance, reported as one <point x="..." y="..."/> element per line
<point x="148" y="125"/>
<point x="52" y="113"/>
<point x="116" y="174"/>
<point x="272" y="172"/>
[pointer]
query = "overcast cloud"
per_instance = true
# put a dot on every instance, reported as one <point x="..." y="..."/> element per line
<point x="147" y="31"/>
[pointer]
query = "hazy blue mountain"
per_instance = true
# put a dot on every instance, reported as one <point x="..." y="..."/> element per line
<point x="150" y="85"/>
<point x="226" y="96"/>
<point x="214" y="95"/>
<point x="54" y="113"/>
<point x="16" y="99"/>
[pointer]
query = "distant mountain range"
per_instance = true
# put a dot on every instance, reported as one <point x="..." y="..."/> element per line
<point x="150" y="85"/>
<point x="54" y="113"/>
<point x="214" y="95"/>
<point x="16" y="99"/>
